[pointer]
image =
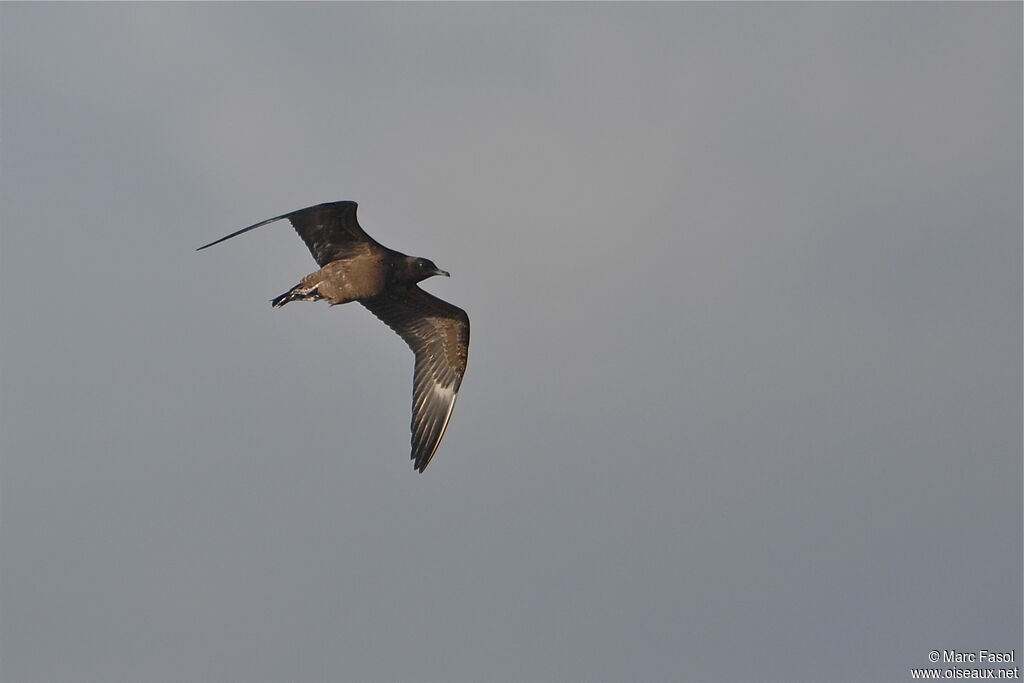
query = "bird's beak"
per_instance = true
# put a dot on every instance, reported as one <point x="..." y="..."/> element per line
<point x="442" y="272"/>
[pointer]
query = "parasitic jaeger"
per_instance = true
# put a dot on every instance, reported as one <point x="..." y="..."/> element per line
<point x="355" y="267"/>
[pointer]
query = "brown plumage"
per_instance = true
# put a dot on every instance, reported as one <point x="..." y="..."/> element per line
<point x="354" y="267"/>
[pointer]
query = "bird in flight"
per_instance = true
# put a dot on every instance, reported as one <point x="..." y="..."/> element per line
<point x="355" y="267"/>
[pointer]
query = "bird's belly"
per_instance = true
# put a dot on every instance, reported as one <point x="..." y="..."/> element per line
<point x="343" y="281"/>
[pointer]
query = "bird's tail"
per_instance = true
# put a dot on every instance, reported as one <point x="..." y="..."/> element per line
<point x="296" y="293"/>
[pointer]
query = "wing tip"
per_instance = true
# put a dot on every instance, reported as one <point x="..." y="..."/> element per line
<point x="421" y="460"/>
<point x="210" y="244"/>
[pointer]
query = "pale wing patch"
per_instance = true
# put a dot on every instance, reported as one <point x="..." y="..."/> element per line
<point x="446" y="394"/>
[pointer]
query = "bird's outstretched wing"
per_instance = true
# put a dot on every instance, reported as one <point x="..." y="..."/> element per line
<point x="438" y="334"/>
<point x="327" y="229"/>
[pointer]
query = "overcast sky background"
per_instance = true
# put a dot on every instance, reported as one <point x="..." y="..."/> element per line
<point x="744" y="389"/>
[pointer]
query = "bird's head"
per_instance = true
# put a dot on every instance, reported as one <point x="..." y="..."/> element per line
<point x="421" y="268"/>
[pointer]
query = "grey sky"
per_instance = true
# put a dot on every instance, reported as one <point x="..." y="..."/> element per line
<point x="744" y="391"/>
